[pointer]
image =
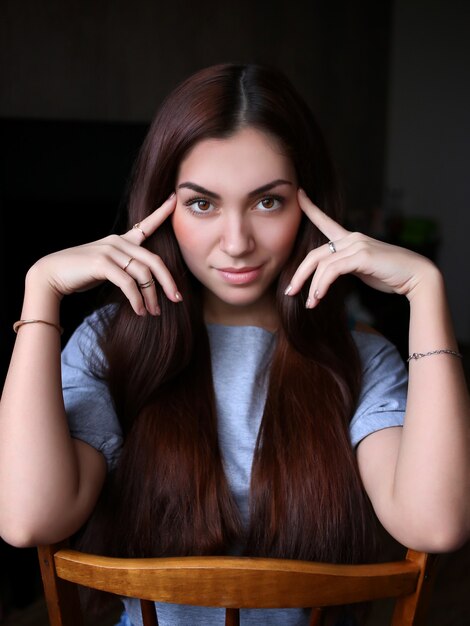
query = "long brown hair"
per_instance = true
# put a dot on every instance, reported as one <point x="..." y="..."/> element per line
<point x="169" y="494"/>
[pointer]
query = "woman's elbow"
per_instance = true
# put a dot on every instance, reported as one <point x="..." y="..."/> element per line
<point x="18" y="536"/>
<point x="450" y="540"/>
<point x="24" y="533"/>
<point x="443" y="538"/>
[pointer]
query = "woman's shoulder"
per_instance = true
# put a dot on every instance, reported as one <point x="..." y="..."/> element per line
<point x="95" y="322"/>
<point x="85" y="339"/>
<point x="382" y="400"/>
<point x="375" y="349"/>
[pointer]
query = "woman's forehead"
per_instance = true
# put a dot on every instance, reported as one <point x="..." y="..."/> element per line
<point x="250" y="156"/>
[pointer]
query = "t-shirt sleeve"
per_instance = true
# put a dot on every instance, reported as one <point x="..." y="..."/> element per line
<point x="88" y="404"/>
<point x="382" y="401"/>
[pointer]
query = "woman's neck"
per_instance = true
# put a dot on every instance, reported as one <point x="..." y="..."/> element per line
<point x="261" y="313"/>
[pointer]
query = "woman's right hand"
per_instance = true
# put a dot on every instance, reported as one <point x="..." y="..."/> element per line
<point x="120" y="259"/>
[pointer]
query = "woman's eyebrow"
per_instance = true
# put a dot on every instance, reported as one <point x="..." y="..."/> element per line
<point x="216" y="196"/>
<point x="199" y="189"/>
<point x="268" y="186"/>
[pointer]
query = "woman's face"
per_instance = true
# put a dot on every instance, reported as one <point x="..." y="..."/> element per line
<point x="236" y="220"/>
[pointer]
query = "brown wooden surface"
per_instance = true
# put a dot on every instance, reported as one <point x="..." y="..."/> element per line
<point x="149" y="614"/>
<point x="411" y="610"/>
<point x="232" y="617"/>
<point x="63" y="604"/>
<point x="234" y="583"/>
<point x="238" y="582"/>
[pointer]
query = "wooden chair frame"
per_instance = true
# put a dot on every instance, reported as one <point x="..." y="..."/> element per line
<point x="234" y="583"/>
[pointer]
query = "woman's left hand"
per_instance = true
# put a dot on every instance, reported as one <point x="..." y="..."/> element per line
<point x="383" y="266"/>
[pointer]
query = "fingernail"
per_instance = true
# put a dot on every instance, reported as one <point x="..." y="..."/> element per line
<point x="301" y="190"/>
<point x="178" y="296"/>
<point x="316" y="294"/>
<point x="158" y="311"/>
<point x="308" y="304"/>
<point x="288" y="290"/>
<point x="171" y="195"/>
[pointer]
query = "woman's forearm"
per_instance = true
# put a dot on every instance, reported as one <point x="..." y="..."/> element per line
<point x="40" y="484"/>
<point x="433" y="465"/>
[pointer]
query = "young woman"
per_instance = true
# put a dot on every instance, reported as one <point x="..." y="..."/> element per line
<point x="220" y="403"/>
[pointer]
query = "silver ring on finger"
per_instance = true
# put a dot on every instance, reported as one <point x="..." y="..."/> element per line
<point x="149" y="283"/>
<point x="128" y="263"/>
<point x="332" y="247"/>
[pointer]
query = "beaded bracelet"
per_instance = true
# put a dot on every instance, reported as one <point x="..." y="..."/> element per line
<point x="419" y="355"/>
<point x="20" y="323"/>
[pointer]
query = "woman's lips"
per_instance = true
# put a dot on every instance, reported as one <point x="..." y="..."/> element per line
<point x="239" y="276"/>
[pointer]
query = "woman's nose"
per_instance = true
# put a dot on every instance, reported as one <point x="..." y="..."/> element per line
<point x="236" y="238"/>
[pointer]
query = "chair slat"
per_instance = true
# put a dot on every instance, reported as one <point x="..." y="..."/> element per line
<point x="411" y="610"/>
<point x="232" y="617"/>
<point x="235" y="583"/>
<point x="149" y="613"/>
<point x="239" y="582"/>
<point x="316" y="615"/>
<point x="62" y="599"/>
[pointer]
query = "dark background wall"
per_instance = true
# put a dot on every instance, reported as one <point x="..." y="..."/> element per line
<point x="428" y="133"/>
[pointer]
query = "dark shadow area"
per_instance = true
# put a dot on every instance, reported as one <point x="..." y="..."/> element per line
<point x="61" y="184"/>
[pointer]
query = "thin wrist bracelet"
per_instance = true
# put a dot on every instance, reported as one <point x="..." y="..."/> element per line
<point x="420" y="355"/>
<point x="20" y="323"/>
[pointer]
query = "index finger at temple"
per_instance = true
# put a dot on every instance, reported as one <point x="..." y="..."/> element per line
<point x="322" y="221"/>
<point x="141" y="231"/>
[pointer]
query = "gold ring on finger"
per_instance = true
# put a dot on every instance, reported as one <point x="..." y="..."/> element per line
<point x="149" y="283"/>
<point x="128" y="263"/>
<point x="137" y="227"/>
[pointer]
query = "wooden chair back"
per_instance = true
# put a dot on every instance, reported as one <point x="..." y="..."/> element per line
<point x="234" y="583"/>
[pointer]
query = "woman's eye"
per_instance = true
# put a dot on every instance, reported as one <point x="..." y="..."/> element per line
<point x="199" y="206"/>
<point x="270" y="203"/>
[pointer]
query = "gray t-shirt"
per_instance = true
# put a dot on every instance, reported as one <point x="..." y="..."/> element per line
<point x="241" y="356"/>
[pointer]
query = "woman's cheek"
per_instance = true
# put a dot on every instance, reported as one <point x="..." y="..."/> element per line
<point x="283" y="233"/>
<point x="183" y="230"/>
<point x="189" y="234"/>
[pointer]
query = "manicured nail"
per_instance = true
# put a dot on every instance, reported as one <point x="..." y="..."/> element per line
<point x="288" y="290"/>
<point x="172" y="195"/>
<point x="308" y="304"/>
<point x="316" y="294"/>
<point x="178" y="296"/>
